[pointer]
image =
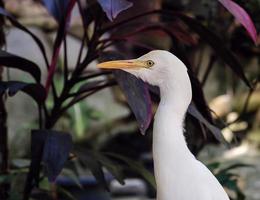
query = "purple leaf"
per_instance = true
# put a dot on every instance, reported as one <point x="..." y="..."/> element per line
<point x="56" y="152"/>
<point x="138" y="98"/>
<point x="38" y="139"/>
<point x="57" y="8"/>
<point x="136" y="92"/>
<point x="51" y="147"/>
<point x="35" y="90"/>
<point x="113" y="7"/>
<point x="241" y="15"/>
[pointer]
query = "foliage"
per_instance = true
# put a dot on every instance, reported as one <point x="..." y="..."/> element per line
<point x="228" y="178"/>
<point x="175" y="25"/>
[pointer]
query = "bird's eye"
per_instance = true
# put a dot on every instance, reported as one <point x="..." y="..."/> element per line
<point x="149" y="63"/>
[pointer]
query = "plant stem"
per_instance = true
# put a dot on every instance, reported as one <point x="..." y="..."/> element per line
<point x="93" y="75"/>
<point x="65" y="61"/>
<point x="208" y="70"/>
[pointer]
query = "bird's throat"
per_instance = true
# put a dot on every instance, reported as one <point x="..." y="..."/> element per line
<point x="170" y="152"/>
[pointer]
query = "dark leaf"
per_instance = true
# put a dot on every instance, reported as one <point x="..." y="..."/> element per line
<point x="90" y="161"/>
<point x="56" y="152"/>
<point x="90" y="13"/>
<point x="198" y="97"/>
<point x="213" y="166"/>
<point x="66" y="193"/>
<point x="182" y="35"/>
<point x="231" y="184"/>
<point x="223" y="178"/>
<point x="218" y="45"/>
<point x="114" y="168"/>
<point x="38" y="138"/>
<point x="138" y="98"/>
<point x="57" y="8"/>
<point x="23" y="28"/>
<point x="192" y="110"/>
<point x="13" y="61"/>
<point x="114" y="7"/>
<point x="36" y="91"/>
<point x="241" y="15"/>
<point x="137" y="167"/>
<point x="72" y="175"/>
<point x="136" y="92"/>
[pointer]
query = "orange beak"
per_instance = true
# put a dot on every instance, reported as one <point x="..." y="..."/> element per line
<point x="122" y="64"/>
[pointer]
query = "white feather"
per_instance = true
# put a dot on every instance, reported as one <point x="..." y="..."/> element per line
<point x="179" y="175"/>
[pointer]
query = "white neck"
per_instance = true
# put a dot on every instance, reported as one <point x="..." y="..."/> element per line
<point x="170" y="152"/>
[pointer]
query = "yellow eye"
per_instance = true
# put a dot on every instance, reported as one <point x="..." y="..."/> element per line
<point x="149" y="63"/>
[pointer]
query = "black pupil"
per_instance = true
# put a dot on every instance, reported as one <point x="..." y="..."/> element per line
<point x="150" y="63"/>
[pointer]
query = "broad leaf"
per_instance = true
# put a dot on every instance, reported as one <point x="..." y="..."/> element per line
<point x="36" y="91"/>
<point x="241" y="15"/>
<point x="136" y="92"/>
<point x="56" y="152"/>
<point x="114" y="7"/>
<point x="57" y="8"/>
<point x="13" y="61"/>
<point x="38" y="139"/>
<point x="23" y="28"/>
<point x="51" y="147"/>
<point x="138" y="98"/>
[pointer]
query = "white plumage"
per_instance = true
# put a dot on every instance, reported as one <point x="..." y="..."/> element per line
<point x="179" y="175"/>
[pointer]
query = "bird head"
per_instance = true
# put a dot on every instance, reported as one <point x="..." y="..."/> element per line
<point x="157" y="68"/>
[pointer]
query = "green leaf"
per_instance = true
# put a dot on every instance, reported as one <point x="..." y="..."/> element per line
<point x="137" y="167"/>
<point x="114" y="168"/>
<point x="213" y="166"/>
<point x="234" y="166"/>
<point x="90" y="161"/>
<point x="66" y="193"/>
<point x="72" y="175"/>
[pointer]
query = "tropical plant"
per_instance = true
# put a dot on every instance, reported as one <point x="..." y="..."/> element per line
<point x="51" y="148"/>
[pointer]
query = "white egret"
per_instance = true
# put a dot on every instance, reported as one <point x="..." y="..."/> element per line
<point x="179" y="175"/>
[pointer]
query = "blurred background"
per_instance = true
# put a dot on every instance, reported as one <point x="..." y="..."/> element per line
<point x="110" y="159"/>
